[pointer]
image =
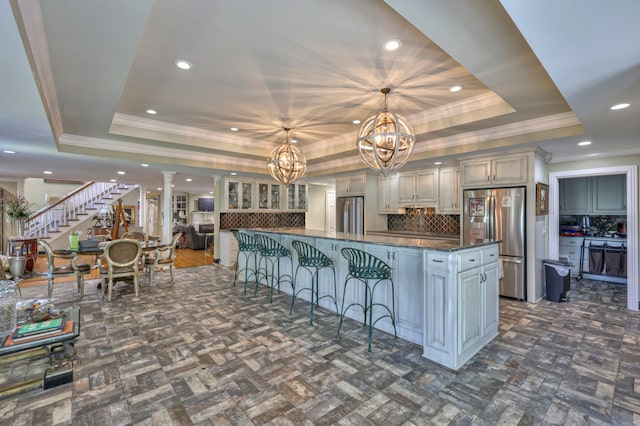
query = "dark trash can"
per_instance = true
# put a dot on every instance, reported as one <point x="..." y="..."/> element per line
<point x="557" y="278"/>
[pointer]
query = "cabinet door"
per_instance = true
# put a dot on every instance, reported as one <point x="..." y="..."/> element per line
<point x="406" y="188"/>
<point x="474" y="173"/>
<point x="490" y="299"/>
<point x="449" y="191"/>
<point x="388" y="194"/>
<point x="357" y="185"/>
<point x="246" y="195"/>
<point x="469" y="309"/>
<point x="510" y="170"/>
<point x="302" y="197"/>
<point x="409" y="289"/>
<point x="427" y="187"/>
<point x="275" y="196"/>
<point x="575" y="196"/>
<point x="342" y="186"/>
<point x="610" y="194"/>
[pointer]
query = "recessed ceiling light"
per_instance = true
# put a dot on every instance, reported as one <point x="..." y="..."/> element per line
<point x="144" y="165"/>
<point x="158" y="189"/>
<point x="234" y="129"/>
<point x="173" y="185"/>
<point x="210" y="192"/>
<point x="455" y="88"/>
<point x="183" y="65"/>
<point x="294" y="140"/>
<point x="620" y="106"/>
<point x="113" y="180"/>
<point x="584" y="143"/>
<point x="189" y="179"/>
<point x="356" y="122"/>
<point x="120" y="172"/>
<point x="595" y="154"/>
<point x="47" y="172"/>
<point x="8" y="151"/>
<point x="233" y="173"/>
<point x="152" y="111"/>
<point x="437" y="163"/>
<point x="392" y="45"/>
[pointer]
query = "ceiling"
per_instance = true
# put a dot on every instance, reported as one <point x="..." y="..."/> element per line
<point x="77" y="78"/>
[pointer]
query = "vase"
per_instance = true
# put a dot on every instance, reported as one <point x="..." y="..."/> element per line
<point x="19" y="229"/>
<point x="8" y="299"/>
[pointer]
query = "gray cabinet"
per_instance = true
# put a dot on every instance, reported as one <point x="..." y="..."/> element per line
<point x="575" y="196"/>
<point x="593" y="195"/>
<point x="570" y="248"/>
<point x="609" y="194"/>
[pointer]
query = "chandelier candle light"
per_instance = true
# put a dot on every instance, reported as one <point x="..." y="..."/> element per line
<point x="286" y="163"/>
<point x="386" y="140"/>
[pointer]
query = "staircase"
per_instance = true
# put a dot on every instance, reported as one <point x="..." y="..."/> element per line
<point x="75" y="212"/>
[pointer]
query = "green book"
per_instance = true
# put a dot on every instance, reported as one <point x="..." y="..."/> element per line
<point x="40" y="327"/>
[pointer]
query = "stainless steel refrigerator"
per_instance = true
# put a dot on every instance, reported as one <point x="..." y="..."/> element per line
<point x="499" y="214"/>
<point x="350" y="215"/>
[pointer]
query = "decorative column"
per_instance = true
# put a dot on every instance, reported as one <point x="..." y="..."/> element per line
<point x="166" y="206"/>
<point x="142" y="209"/>
<point x="218" y="194"/>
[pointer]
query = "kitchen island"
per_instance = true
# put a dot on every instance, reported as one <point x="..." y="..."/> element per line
<point x="446" y="294"/>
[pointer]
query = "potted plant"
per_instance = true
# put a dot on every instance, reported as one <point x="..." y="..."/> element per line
<point x="18" y="211"/>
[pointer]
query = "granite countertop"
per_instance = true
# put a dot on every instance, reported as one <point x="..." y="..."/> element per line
<point x="378" y="237"/>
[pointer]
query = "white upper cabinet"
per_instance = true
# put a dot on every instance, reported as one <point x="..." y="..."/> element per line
<point x="496" y="171"/>
<point x="449" y="192"/>
<point x="388" y="194"/>
<point x="418" y="188"/>
<point x="350" y="185"/>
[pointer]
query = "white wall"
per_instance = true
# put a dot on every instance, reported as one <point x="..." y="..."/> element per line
<point x="36" y="190"/>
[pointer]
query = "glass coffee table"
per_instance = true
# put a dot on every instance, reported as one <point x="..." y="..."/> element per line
<point x="39" y="371"/>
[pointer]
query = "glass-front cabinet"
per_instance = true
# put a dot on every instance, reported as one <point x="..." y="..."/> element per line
<point x="239" y="195"/>
<point x="269" y="196"/>
<point x="297" y="197"/>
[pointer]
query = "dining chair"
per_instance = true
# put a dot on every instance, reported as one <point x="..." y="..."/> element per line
<point x="123" y="261"/>
<point x="134" y="235"/>
<point x="163" y="256"/>
<point x="69" y="268"/>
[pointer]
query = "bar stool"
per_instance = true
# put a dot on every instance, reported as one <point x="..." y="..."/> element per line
<point x="248" y="246"/>
<point x="364" y="268"/>
<point x="312" y="260"/>
<point x="272" y="252"/>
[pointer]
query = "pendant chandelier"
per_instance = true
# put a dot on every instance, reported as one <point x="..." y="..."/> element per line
<point x="286" y="163"/>
<point x="386" y="140"/>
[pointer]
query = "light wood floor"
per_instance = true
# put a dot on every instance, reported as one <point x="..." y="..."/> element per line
<point x="185" y="258"/>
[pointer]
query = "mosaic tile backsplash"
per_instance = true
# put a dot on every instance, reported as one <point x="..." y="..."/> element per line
<point x="424" y="220"/>
<point x="261" y="220"/>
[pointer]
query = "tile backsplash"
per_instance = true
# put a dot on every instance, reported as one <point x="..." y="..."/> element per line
<point x="261" y="220"/>
<point x="424" y="220"/>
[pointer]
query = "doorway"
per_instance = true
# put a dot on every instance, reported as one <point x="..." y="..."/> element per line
<point x="631" y="173"/>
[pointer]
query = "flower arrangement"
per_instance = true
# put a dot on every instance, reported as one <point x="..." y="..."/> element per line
<point x="18" y="209"/>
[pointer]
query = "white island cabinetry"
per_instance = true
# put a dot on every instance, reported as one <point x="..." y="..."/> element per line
<point x="461" y="304"/>
<point x="445" y="295"/>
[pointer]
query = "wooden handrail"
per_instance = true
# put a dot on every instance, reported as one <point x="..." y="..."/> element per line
<point x="60" y="201"/>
